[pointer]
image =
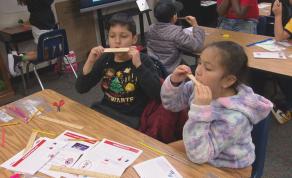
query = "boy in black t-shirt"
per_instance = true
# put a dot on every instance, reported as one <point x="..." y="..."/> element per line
<point x="128" y="80"/>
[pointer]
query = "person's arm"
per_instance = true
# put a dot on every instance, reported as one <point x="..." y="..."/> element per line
<point x="223" y="7"/>
<point x="281" y="33"/>
<point x="148" y="78"/>
<point x="191" y="42"/>
<point x="175" y="96"/>
<point x="207" y="132"/>
<point x="239" y="9"/>
<point x="91" y="72"/>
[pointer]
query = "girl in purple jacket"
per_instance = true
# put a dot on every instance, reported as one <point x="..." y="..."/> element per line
<point x="222" y="109"/>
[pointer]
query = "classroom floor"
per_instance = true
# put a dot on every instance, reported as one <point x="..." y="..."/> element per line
<point x="278" y="161"/>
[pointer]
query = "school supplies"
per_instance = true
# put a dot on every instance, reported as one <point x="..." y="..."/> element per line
<point x="4" y="116"/>
<point x="193" y="78"/>
<point x="59" y="104"/>
<point x="3" y="137"/>
<point x="33" y="160"/>
<point x="30" y="141"/>
<point x="269" y="55"/>
<point x="9" y="124"/>
<point x="44" y="132"/>
<point x="162" y="167"/>
<point x="116" y="50"/>
<point x="84" y="139"/>
<point x="18" y="112"/>
<point x="81" y="172"/>
<point x="258" y="42"/>
<point x="61" y="122"/>
<point x="225" y="35"/>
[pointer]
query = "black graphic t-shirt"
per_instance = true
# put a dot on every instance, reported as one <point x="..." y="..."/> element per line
<point x="126" y="88"/>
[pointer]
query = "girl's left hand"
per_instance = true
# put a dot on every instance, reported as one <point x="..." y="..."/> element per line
<point x="135" y="55"/>
<point x="203" y="95"/>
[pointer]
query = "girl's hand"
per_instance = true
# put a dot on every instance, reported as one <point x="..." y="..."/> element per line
<point x="203" y="95"/>
<point x="135" y="55"/>
<point x="180" y="74"/>
<point x="277" y="8"/>
<point x="95" y="54"/>
<point x="192" y="21"/>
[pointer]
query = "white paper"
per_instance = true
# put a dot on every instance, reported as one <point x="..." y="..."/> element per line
<point x="71" y="153"/>
<point x="4" y="116"/>
<point x="142" y="5"/>
<point x="270" y="45"/>
<point x="207" y="3"/>
<point x="108" y="157"/>
<point x="264" y="5"/>
<point x="284" y="43"/>
<point x="43" y="150"/>
<point x="163" y="169"/>
<point x="269" y="55"/>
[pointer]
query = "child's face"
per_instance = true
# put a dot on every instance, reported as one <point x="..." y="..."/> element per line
<point x="120" y="37"/>
<point x="210" y="72"/>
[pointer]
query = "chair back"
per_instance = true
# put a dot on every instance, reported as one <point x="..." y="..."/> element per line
<point x="159" y="67"/>
<point x="260" y="137"/>
<point x="51" y="45"/>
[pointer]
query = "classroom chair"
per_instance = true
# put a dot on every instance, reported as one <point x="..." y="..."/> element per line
<point x="259" y="137"/>
<point x="51" y="45"/>
<point x="266" y="25"/>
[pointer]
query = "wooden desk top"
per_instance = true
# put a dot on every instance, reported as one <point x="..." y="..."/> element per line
<point x="278" y="66"/>
<point x="100" y="126"/>
<point x="16" y="34"/>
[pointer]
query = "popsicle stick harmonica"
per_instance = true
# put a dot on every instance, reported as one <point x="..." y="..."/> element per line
<point x="116" y="50"/>
<point x="192" y="77"/>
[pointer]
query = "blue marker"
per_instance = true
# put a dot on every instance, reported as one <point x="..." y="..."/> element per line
<point x="258" y="42"/>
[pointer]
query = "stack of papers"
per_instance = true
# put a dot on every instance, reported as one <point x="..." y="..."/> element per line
<point x="271" y="45"/>
<point x="163" y="169"/>
<point x="269" y="55"/>
<point x="107" y="157"/>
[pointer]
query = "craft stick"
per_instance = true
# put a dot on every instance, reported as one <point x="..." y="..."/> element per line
<point x="33" y="115"/>
<point x="3" y="137"/>
<point x="9" y="124"/>
<point x="151" y="148"/>
<point x="30" y="141"/>
<point x="115" y="50"/>
<point x="84" y="139"/>
<point x="192" y="77"/>
<point x="61" y="122"/>
<point x="182" y="18"/>
<point x="44" y="132"/>
<point x="81" y="172"/>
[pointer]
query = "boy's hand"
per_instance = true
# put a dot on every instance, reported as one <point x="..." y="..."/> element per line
<point x="180" y="74"/>
<point x="191" y="20"/>
<point x="95" y="54"/>
<point x="135" y="55"/>
<point x="277" y="8"/>
<point x="203" y="95"/>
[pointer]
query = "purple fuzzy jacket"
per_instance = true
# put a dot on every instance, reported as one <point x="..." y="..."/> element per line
<point x="219" y="133"/>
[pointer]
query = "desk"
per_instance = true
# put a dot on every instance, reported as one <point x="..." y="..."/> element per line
<point x="277" y="66"/>
<point x="100" y="126"/>
<point x="14" y="35"/>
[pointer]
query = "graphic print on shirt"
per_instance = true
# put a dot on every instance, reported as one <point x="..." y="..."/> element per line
<point x="119" y="86"/>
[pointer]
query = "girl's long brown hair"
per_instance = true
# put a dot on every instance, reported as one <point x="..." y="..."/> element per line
<point x="22" y="2"/>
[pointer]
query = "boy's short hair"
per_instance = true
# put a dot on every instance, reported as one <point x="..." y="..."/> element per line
<point x="164" y="10"/>
<point x="124" y="20"/>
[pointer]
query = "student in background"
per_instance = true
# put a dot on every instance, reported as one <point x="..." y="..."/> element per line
<point x="165" y="39"/>
<point x="42" y="20"/>
<point x="128" y="80"/>
<point x="222" y="109"/>
<point x="283" y="31"/>
<point x="238" y="15"/>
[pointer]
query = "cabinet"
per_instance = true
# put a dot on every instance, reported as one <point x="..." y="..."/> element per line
<point x="6" y="90"/>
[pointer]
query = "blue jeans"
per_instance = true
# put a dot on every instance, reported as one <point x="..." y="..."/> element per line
<point x="238" y="25"/>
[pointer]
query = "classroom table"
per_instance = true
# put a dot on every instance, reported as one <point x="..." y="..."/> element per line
<point x="100" y="126"/>
<point x="277" y="66"/>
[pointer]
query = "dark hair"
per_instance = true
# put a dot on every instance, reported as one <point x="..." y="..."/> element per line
<point x="164" y="11"/>
<point x="124" y="20"/>
<point x="22" y="2"/>
<point x="233" y="59"/>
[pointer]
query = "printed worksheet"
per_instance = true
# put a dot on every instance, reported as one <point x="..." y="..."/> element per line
<point x="4" y="116"/>
<point x="43" y="150"/>
<point x="271" y="45"/>
<point x="71" y="153"/>
<point x="269" y="55"/>
<point x="163" y="169"/>
<point x="108" y="157"/>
